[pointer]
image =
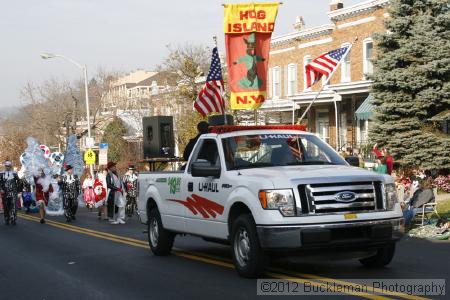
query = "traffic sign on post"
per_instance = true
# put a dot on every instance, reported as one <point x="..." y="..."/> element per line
<point x="103" y="154"/>
<point x="89" y="157"/>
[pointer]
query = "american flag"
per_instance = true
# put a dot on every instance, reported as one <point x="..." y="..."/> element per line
<point x="210" y="98"/>
<point x="323" y="65"/>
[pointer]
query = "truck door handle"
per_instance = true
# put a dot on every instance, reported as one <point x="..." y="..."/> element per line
<point x="190" y="186"/>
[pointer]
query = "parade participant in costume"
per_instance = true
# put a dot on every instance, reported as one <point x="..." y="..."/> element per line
<point x="71" y="188"/>
<point x="88" y="189"/>
<point x="43" y="190"/>
<point x="101" y="205"/>
<point x="100" y="196"/>
<point x="130" y="181"/>
<point x="115" y="202"/>
<point x="11" y="186"/>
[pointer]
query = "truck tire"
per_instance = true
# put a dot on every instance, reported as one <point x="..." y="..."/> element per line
<point x="160" y="240"/>
<point x="248" y="257"/>
<point x="381" y="258"/>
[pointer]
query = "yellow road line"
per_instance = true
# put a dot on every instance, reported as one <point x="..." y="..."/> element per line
<point x="314" y="277"/>
<point x="98" y="235"/>
<point x="87" y="230"/>
<point x="220" y="261"/>
<point x="332" y="280"/>
<point x="301" y="280"/>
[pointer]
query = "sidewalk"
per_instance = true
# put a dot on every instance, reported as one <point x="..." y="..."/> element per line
<point x="442" y="197"/>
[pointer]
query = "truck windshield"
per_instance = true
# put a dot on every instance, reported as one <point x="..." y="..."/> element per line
<point x="267" y="150"/>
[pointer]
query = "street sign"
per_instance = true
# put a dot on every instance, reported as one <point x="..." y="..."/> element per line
<point x="103" y="154"/>
<point x="90" y="142"/>
<point x="89" y="157"/>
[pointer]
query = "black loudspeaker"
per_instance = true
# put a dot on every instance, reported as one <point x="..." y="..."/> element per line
<point x="217" y="120"/>
<point x="158" y="137"/>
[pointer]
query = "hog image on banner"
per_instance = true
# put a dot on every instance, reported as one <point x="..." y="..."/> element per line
<point x="248" y="28"/>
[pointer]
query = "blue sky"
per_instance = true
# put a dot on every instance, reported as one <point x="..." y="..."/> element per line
<point x="112" y="34"/>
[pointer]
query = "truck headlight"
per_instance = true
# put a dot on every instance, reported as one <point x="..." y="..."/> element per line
<point x="282" y="200"/>
<point x="391" y="196"/>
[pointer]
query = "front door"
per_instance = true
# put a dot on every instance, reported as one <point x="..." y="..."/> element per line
<point x="323" y="125"/>
<point x="205" y="202"/>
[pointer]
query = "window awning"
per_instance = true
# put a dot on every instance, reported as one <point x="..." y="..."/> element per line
<point x="365" y="110"/>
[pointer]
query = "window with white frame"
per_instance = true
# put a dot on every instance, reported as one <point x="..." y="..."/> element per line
<point x="306" y="60"/>
<point x="292" y="79"/>
<point x="276" y="82"/>
<point x="345" y="66"/>
<point x="367" y="56"/>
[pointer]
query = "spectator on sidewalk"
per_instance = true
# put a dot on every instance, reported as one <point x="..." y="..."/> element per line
<point x="424" y="194"/>
<point x="389" y="161"/>
<point x="381" y="166"/>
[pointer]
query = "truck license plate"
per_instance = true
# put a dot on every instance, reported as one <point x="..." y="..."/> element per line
<point x="350" y="216"/>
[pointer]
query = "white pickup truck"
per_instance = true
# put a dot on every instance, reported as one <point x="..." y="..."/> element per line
<point x="269" y="190"/>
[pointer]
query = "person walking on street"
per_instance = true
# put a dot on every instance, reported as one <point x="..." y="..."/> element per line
<point x="130" y="181"/>
<point x="70" y="188"/>
<point x="42" y="195"/>
<point x="115" y="202"/>
<point x="88" y="191"/>
<point x="101" y="177"/>
<point x="11" y="186"/>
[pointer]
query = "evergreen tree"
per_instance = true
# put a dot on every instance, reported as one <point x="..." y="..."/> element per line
<point x="113" y="135"/>
<point x="73" y="156"/>
<point x="412" y="83"/>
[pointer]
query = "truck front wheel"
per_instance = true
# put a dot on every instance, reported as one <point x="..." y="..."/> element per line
<point x="381" y="258"/>
<point x="249" y="259"/>
<point x="160" y="240"/>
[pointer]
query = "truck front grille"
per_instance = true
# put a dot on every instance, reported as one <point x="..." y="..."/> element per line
<point x="339" y="197"/>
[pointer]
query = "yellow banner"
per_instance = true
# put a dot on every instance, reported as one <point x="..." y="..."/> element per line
<point x="250" y="17"/>
<point x="247" y="100"/>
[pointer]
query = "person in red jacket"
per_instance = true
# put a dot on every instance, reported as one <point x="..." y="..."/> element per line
<point x="389" y="161"/>
<point x="385" y="153"/>
<point x="43" y="190"/>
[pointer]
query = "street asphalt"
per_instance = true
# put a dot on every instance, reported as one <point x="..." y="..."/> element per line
<point x="91" y="259"/>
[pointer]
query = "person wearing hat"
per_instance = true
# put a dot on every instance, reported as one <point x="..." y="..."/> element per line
<point x="11" y="187"/>
<point x="70" y="188"/>
<point x="115" y="202"/>
<point x="130" y="180"/>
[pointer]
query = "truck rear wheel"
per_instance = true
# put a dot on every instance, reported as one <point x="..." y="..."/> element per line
<point x="248" y="257"/>
<point x="381" y="258"/>
<point x="160" y="240"/>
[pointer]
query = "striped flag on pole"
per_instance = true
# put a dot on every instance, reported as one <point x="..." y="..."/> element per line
<point x="324" y="65"/>
<point x="210" y="98"/>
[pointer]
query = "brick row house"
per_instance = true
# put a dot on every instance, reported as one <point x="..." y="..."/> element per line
<point x="341" y="114"/>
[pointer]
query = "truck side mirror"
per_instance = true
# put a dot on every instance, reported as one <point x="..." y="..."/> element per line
<point x="205" y="169"/>
<point x="353" y="161"/>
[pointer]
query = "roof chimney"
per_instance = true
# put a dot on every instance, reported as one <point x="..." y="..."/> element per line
<point x="336" y="4"/>
<point x="299" y="23"/>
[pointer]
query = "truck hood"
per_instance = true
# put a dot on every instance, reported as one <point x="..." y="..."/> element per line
<point x="294" y="175"/>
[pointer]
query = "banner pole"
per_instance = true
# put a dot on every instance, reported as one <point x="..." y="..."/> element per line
<point x="328" y="79"/>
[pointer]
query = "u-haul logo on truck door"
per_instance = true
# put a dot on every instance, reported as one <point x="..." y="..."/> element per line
<point x="205" y="207"/>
